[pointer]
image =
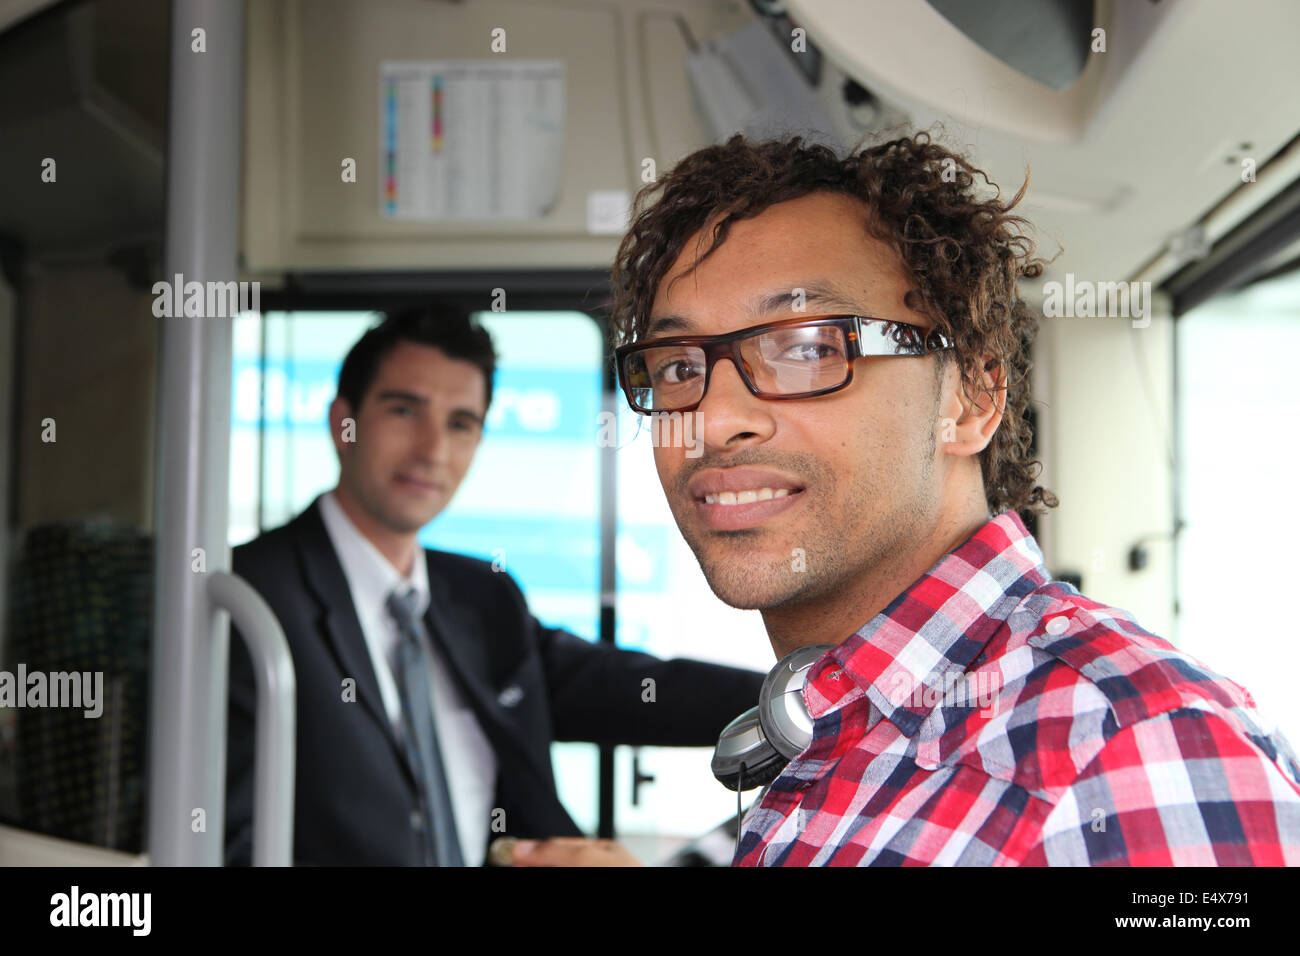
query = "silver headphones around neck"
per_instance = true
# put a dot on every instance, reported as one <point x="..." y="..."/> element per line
<point x="754" y="748"/>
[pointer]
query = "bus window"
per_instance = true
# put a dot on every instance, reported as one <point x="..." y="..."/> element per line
<point x="539" y="522"/>
<point x="1237" y="421"/>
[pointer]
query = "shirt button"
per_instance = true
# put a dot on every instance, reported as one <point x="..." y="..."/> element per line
<point x="1058" y="625"/>
<point x="417" y="821"/>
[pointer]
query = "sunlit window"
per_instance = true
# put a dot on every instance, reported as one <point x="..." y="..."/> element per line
<point x="1238" y="408"/>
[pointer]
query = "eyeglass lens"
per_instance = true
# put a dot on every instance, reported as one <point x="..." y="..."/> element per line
<point x="778" y="362"/>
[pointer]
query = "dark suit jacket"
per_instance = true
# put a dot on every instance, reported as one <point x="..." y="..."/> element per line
<point x="355" y="794"/>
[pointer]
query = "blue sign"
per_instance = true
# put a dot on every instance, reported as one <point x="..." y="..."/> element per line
<point x="526" y="402"/>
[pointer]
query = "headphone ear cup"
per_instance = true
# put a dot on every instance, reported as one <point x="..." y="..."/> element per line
<point x="765" y="738"/>
<point x="782" y="713"/>
<point x="744" y="756"/>
<point x="762" y="775"/>
<point x="775" y="724"/>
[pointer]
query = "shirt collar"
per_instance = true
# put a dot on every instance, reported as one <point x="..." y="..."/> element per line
<point x="929" y="634"/>
<point x="371" y="577"/>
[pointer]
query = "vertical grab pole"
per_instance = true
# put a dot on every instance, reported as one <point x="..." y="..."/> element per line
<point x="190" y="642"/>
<point x="610" y="397"/>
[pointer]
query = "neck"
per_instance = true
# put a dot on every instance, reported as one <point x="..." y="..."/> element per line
<point x="397" y="546"/>
<point x="830" y="617"/>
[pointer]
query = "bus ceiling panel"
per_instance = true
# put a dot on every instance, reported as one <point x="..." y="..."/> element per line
<point x="83" y="98"/>
<point x="1147" y="139"/>
<point x="510" y="134"/>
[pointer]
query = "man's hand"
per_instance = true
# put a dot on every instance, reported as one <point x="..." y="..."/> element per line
<point x="563" y="851"/>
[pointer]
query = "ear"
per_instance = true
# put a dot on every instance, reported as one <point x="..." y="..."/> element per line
<point x="968" y="422"/>
<point x="340" y="409"/>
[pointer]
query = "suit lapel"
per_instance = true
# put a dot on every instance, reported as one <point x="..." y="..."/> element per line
<point x="453" y="635"/>
<point x="339" y="623"/>
<point x="450" y="634"/>
<point x="448" y="628"/>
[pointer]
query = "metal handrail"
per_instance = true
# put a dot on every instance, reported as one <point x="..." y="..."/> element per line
<point x="274" y="755"/>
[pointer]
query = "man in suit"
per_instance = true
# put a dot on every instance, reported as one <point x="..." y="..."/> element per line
<point x="428" y="695"/>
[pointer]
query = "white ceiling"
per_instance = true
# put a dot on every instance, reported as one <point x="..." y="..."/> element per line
<point x="1142" y="146"/>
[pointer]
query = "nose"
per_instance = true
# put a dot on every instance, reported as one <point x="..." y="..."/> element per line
<point x="731" y="416"/>
<point x="434" y="443"/>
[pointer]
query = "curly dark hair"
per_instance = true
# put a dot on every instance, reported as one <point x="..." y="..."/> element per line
<point x="964" y="254"/>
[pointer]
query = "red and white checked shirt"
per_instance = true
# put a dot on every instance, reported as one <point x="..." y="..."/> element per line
<point x="992" y="716"/>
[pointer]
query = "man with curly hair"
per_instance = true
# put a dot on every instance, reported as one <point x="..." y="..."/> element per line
<point x="849" y="333"/>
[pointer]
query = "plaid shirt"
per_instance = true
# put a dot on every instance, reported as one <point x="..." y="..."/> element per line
<point x="992" y="716"/>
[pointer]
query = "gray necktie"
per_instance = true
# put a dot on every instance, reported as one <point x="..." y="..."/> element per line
<point x="442" y="848"/>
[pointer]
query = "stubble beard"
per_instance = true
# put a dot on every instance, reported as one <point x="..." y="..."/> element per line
<point x="841" y="540"/>
<point x="820" y="566"/>
<point x="381" y="510"/>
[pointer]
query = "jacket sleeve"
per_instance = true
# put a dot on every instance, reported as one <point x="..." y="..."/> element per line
<point x="604" y="695"/>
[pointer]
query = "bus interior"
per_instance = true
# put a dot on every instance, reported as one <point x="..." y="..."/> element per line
<point x="280" y="145"/>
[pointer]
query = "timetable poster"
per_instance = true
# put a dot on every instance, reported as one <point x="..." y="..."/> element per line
<point x="465" y="140"/>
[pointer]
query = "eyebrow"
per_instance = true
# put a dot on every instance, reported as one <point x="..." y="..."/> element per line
<point x="818" y="293"/>
<point x="397" y="395"/>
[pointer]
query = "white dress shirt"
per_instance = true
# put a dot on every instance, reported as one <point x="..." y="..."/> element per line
<point x="467" y="755"/>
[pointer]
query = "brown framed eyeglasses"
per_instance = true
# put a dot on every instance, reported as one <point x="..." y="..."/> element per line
<point x="795" y="358"/>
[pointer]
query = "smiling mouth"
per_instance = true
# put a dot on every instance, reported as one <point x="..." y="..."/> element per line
<point x="419" y="483"/>
<point x="747" y="510"/>
<point x="746" y="497"/>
